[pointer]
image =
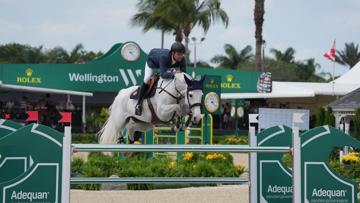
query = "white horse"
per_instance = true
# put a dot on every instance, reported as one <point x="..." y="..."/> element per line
<point x="177" y="96"/>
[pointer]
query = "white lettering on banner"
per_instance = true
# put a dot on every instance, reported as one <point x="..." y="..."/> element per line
<point x="29" y="196"/>
<point x="128" y="75"/>
<point x="280" y="189"/>
<point x="328" y="193"/>
<point x="89" y="77"/>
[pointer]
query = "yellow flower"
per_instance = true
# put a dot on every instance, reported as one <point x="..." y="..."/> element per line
<point x="352" y="157"/>
<point x="172" y="164"/>
<point x="137" y="142"/>
<point x="188" y="156"/>
<point x="215" y="156"/>
<point x="240" y="168"/>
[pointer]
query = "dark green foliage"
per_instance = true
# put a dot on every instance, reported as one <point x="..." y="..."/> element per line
<point x="233" y="58"/>
<point x="349" y="56"/>
<point x="84" y="138"/>
<point x="319" y="117"/>
<point x="350" y="171"/>
<point x="15" y="53"/>
<point x="99" y="165"/>
<point x="329" y="117"/>
<point x="356" y="120"/>
<point x="95" y="120"/>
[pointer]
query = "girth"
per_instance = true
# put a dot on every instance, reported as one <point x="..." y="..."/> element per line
<point x="154" y="117"/>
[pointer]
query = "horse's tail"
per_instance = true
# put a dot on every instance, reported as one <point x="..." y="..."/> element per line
<point x="107" y="134"/>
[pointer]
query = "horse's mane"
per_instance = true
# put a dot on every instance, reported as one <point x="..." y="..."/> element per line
<point x="181" y="75"/>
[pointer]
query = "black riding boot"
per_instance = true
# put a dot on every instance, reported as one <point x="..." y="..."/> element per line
<point x="138" y="107"/>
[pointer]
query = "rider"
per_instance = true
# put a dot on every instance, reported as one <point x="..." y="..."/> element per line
<point x="164" y="59"/>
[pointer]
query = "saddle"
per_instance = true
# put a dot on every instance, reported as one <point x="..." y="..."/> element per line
<point x="151" y="89"/>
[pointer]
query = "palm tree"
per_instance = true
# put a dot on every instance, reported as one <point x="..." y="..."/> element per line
<point x="349" y="56"/>
<point x="259" y="12"/>
<point x="149" y="17"/>
<point x="181" y="16"/>
<point x="287" y="56"/>
<point x="186" y="14"/>
<point x="233" y="58"/>
<point x="306" y="71"/>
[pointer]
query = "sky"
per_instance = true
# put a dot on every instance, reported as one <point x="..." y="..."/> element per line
<point x="307" y="26"/>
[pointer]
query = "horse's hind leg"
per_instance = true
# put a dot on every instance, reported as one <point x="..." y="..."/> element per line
<point x="133" y="127"/>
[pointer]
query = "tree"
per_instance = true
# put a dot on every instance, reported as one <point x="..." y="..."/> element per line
<point x="282" y="71"/>
<point x="57" y="55"/>
<point x="349" y="56"/>
<point x="306" y="70"/>
<point x="259" y="12"/>
<point x="233" y="58"/>
<point x="202" y="64"/>
<point x="25" y="54"/>
<point x="356" y="121"/>
<point x="319" y="117"/>
<point x="149" y="17"/>
<point x="287" y="56"/>
<point x="183" y="15"/>
<point x="329" y="118"/>
<point x="19" y="53"/>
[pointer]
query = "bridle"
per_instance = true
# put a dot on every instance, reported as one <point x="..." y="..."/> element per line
<point x="163" y="89"/>
<point x="179" y="95"/>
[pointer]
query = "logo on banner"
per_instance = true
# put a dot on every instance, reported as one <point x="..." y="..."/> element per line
<point x="129" y="77"/>
<point x="229" y="83"/>
<point x="212" y="84"/>
<point x="28" y="78"/>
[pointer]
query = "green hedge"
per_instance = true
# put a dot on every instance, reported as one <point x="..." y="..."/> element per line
<point x="192" y="165"/>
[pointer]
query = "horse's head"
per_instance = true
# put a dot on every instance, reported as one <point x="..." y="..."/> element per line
<point x="193" y="97"/>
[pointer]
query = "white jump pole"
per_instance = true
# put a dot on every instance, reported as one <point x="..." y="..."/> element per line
<point x="296" y="165"/>
<point x="66" y="166"/>
<point x="253" y="167"/>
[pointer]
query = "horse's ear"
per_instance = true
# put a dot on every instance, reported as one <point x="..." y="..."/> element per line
<point x="187" y="80"/>
<point x="202" y="78"/>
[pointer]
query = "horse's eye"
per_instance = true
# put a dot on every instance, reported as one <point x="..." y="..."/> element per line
<point x="190" y="95"/>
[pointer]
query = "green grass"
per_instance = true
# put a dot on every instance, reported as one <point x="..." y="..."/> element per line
<point x="84" y="138"/>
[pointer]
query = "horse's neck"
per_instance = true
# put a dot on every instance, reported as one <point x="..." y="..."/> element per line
<point x="174" y="85"/>
<point x="165" y="87"/>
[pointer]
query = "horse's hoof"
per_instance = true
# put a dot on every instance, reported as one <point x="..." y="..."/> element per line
<point x="121" y="140"/>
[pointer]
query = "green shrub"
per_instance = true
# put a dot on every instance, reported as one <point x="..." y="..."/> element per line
<point x="329" y="118"/>
<point x="84" y="138"/>
<point x="95" y="120"/>
<point x="240" y="140"/>
<point x="357" y="123"/>
<point x="319" y="117"/>
<point x="199" y="165"/>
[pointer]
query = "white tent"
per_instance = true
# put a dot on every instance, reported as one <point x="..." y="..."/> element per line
<point x="341" y="86"/>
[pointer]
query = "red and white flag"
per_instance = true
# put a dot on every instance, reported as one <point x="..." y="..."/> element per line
<point x="331" y="55"/>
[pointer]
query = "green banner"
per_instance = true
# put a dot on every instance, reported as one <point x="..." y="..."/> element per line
<point x="31" y="165"/>
<point x="319" y="182"/>
<point x="117" y="69"/>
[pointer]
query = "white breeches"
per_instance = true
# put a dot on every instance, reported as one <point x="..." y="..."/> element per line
<point x="147" y="73"/>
